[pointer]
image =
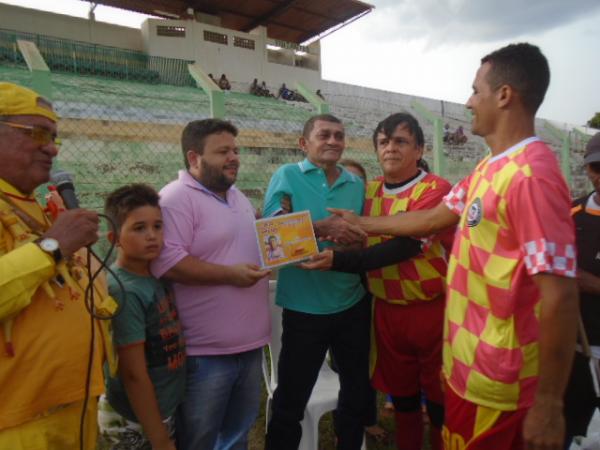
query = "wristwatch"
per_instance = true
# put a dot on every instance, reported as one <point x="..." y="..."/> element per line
<point x="51" y="247"/>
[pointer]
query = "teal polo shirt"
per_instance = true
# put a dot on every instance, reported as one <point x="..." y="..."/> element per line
<point x="308" y="291"/>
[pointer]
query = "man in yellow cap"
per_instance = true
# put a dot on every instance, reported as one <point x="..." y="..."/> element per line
<point x="45" y="344"/>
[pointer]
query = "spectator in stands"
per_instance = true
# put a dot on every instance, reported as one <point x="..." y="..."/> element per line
<point x="581" y="399"/>
<point x="290" y="94"/>
<point x="319" y="94"/>
<point x="284" y="92"/>
<point x="47" y="333"/>
<point x="210" y="75"/>
<point x="265" y="90"/>
<point x="511" y="314"/>
<point x="408" y="295"/>
<point x="224" y="83"/>
<point x="321" y="310"/>
<point x="211" y="256"/>
<point x="446" y="132"/>
<point x="254" y="88"/>
<point x="459" y="136"/>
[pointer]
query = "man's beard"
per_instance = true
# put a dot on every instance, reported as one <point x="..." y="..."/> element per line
<point x="214" y="179"/>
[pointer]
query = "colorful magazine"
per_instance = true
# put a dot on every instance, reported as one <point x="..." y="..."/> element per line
<point x="285" y="239"/>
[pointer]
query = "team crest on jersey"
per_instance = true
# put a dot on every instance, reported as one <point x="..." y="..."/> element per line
<point x="475" y="212"/>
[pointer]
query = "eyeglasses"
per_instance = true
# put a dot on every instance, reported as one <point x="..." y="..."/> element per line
<point x="41" y="135"/>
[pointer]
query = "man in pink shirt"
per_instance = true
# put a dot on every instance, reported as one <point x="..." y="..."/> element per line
<point x="211" y="256"/>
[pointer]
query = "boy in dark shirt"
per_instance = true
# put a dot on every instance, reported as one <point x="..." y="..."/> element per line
<point x="138" y="409"/>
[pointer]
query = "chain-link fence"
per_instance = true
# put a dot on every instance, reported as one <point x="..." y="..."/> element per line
<point x="361" y="115"/>
<point x="122" y="113"/>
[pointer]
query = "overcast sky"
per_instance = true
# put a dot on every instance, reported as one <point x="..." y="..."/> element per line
<point x="432" y="48"/>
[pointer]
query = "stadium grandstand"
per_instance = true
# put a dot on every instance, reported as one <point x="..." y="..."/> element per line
<point x="125" y="94"/>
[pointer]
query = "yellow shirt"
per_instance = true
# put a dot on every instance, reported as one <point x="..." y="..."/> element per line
<point x="50" y="336"/>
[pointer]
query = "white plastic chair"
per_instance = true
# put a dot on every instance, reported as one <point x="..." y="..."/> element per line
<point x="324" y="396"/>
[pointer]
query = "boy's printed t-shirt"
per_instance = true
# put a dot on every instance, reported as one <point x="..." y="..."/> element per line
<point x="515" y="222"/>
<point x="149" y="316"/>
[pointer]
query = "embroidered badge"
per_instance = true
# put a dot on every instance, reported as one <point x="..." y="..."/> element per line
<point x="475" y="212"/>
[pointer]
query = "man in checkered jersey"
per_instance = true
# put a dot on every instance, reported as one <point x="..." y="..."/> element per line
<point x="512" y="301"/>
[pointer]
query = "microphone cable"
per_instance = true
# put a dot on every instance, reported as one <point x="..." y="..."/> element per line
<point x="64" y="185"/>
<point x="91" y="308"/>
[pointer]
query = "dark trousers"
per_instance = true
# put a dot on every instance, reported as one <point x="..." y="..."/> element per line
<point x="305" y="340"/>
<point x="580" y="399"/>
<point x="371" y="415"/>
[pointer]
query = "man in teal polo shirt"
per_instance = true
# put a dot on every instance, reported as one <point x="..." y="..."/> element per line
<point x="321" y="310"/>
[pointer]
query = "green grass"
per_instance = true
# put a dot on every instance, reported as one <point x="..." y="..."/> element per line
<point x="326" y="435"/>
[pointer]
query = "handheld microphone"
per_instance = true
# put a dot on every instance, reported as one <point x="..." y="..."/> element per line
<point x="64" y="185"/>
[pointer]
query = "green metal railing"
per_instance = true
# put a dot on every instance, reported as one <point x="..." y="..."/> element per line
<point x="439" y="161"/>
<point x="117" y="130"/>
<point x="63" y="55"/>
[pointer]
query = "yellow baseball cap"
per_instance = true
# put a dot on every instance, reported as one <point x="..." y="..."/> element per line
<point x="17" y="100"/>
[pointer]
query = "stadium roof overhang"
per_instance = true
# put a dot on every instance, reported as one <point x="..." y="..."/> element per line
<point x="288" y="20"/>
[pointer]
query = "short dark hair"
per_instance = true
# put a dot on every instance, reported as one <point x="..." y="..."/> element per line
<point x="195" y="133"/>
<point x="423" y="165"/>
<point x="353" y="163"/>
<point x="119" y="203"/>
<point x="390" y="123"/>
<point x="524" y="68"/>
<point x="310" y="123"/>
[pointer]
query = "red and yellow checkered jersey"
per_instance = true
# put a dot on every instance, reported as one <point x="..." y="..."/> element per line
<point x="421" y="278"/>
<point x="515" y="222"/>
